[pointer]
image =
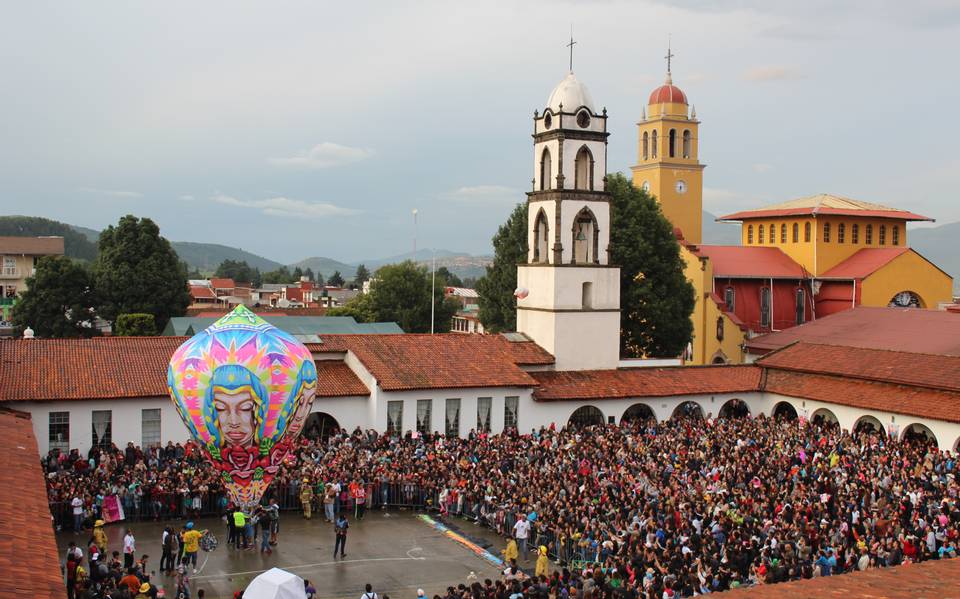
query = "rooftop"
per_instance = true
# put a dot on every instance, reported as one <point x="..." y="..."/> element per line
<point x="34" y="572"/>
<point x="750" y="262"/>
<point x="827" y="204"/>
<point x="903" y="329"/>
<point x="571" y="94"/>
<point x="644" y="382"/>
<point x="295" y="325"/>
<point x="32" y="246"/>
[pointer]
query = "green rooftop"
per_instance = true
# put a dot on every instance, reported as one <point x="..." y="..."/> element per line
<point x="304" y="328"/>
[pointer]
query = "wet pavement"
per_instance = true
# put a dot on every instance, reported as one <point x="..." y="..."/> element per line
<point x="394" y="551"/>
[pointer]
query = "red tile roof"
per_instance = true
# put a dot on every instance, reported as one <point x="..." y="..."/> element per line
<point x="825" y="203"/>
<point x="201" y="292"/>
<point x="750" y="262"/>
<point x="936" y="578"/>
<point x="222" y="283"/>
<point x="446" y="361"/>
<point x="904" y="329"/>
<point x="335" y="379"/>
<point x="667" y="93"/>
<point x="864" y="263"/>
<point x="644" y="382"/>
<point x="32" y="246"/>
<point x="29" y="562"/>
<point x="904" y="368"/>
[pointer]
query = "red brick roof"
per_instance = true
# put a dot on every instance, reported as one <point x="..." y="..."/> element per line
<point x="29" y="562"/>
<point x="222" y="283"/>
<point x="644" y="382"/>
<point x="904" y="329"/>
<point x="903" y="368"/>
<point x="445" y="361"/>
<point x="750" y="262"/>
<point x="928" y="579"/>
<point x="667" y="93"/>
<point x="32" y="246"/>
<point x="202" y="292"/>
<point x="864" y="263"/>
<point x="335" y="379"/>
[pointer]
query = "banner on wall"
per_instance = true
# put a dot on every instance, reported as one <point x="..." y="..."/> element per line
<point x="893" y="430"/>
<point x="112" y="509"/>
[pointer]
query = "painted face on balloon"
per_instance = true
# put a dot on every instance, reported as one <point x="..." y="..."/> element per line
<point x="235" y="414"/>
<point x="303" y="410"/>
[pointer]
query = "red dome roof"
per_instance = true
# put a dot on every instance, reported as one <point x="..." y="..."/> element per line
<point x="667" y="93"/>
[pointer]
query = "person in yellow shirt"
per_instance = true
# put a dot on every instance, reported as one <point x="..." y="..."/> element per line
<point x="542" y="562"/>
<point x="100" y="537"/>
<point x="306" y="498"/>
<point x="191" y="545"/>
<point x="511" y="552"/>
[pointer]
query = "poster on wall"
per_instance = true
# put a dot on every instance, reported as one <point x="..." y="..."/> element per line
<point x="893" y="430"/>
<point x="112" y="509"/>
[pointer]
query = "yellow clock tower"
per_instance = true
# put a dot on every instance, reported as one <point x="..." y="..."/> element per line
<point x="668" y="166"/>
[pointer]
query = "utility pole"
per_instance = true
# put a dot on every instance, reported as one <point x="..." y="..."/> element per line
<point x="414" y="235"/>
<point x="433" y="289"/>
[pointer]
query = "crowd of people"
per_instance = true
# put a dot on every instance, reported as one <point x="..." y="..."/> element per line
<point x="678" y="508"/>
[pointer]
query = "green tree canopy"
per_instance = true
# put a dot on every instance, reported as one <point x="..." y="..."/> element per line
<point x="59" y="301"/>
<point x="449" y="279"/>
<point x="400" y="293"/>
<point x="309" y="274"/>
<point x="498" y="308"/>
<point x="75" y="243"/>
<point x="362" y="276"/>
<point x="135" y="325"/>
<point x="239" y="271"/>
<point x="656" y="299"/>
<point x="336" y="279"/>
<point x="280" y="276"/>
<point x="137" y="271"/>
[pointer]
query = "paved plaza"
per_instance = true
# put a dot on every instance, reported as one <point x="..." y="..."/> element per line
<point x="395" y="552"/>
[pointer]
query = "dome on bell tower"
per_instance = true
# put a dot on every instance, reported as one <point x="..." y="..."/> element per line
<point x="570" y="93"/>
<point x="668" y="93"/>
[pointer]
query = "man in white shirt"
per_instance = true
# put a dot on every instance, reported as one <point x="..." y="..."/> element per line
<point x="129" y="548"/>
<point x="369" y="594"/>
<point x="521" y="530"/>
<point x="77" y="504"/>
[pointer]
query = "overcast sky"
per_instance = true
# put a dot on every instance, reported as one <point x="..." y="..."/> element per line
<point x="294" y="129"/>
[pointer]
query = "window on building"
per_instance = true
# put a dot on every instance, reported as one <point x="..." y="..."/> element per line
<point x="826" y="232"/>
<point x="673" y="143"/>
<point x="882" y="235"/>
<point x="424" y="415"/>
<point x="646" y="145"/>
<point x="719" y="328"/>
<point x="765" y="307"/>
<point x="796" y="232"/>
<point x="150" y="427"/>
<point x="841" y="232"/>
<point x="452" y="428"/>
<point x="541" y="237"/>
<point x="730" y="298"/>
<point x="896" y="235"/>
<point x="806" y="232"/>
<point x="750" y="234"/>
<point x="869" y="239"/>
<point x="653" y="144"/>
<point x="855" y="233"/>
<point x="582" y="169"/>
<point x="102" y="425"/>
<point x="58" y="436"/>
<point x="783" y="233"/>
<point x="801" y="305"/>
<point x="511" y="409"/>
<point x="484" y="406"/>
<point x="395" y="418"/>
<point x="586" y="296"/>
<point x="687" y="143"/>
<point x="546" y="170"/>
<point x="759" y="233"/>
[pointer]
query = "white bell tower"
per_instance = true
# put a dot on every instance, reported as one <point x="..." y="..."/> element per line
<point x="572" y="308"/>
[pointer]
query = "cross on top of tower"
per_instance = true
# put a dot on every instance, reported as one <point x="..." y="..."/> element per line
<point x="570" y="45"/>
<point x="669" y="56"/>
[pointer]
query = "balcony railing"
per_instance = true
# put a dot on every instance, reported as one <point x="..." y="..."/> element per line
<point x="9" y="272"/>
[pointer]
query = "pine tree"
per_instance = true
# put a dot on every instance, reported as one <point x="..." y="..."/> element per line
<point x="498" y="307"/>
<point x="362" y="276"/>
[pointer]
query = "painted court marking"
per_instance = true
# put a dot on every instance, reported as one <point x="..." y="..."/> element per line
<point x="477" y="549"/>
<point x="300" y="566"/>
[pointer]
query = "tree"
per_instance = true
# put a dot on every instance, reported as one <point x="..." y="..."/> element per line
<point x="498" y="308"/>
<point x="279" y="276"/>
<point x="656" y="299"/>
<point x="296" y="275"/>
<point x="360" y="308"/>
<point x="137" y="271"/>
<point x="336" y="279"/>
<point x="362" y="276"/>
<point x="60" y="300"/>
<point x="449" y="279"/>
<point x="308" y="273"/>
<point x="135" y="325"/>
<point x="239" y="271"/>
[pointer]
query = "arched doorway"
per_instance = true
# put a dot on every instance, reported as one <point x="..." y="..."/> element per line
<point x="637" y="412"/>
<point x="688" y="409"/>
<point x="919" y="433"/>
<point x="320" y="425"/>
<point x="735" y="408"/>
<point x="824" y="416"/>
<point x="785" y="411"/>
<point x="586" y="416"/>
<point x="867" y="424"/>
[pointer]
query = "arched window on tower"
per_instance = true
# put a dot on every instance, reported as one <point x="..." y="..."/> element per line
<point x="586" y="238"/>
<point x="806" y="232"/>
<point x="796" y="232"/>
<point x="653" y="145"/>
<point x="541" y="236"/>
<point x="687" y="143"/>
<point x="673" y="143"/>
<point x="583" y="169"/>
<point x="760" y="234"/>
<point x="546" y="170"/>
<point x="646" y="145"/>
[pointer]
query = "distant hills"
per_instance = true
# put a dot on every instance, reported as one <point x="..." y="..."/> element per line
<point x="934" y="243"/>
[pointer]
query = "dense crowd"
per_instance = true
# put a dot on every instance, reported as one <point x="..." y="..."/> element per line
<point x="671" y="509"/>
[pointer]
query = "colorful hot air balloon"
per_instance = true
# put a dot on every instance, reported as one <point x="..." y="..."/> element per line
<point x="243" y="389"/>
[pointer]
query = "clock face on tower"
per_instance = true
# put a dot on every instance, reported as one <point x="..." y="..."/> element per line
<point x="681" y="187"/>
<point x="646" y="186"/>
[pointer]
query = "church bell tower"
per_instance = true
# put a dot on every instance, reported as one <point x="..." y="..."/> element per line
<point x="569" y="293"/>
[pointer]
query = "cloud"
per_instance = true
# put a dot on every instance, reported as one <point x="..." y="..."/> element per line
<point x="761" y="167"/>
<point x="772" y="73"/>
<point x="724" y="201"/>
<point x="324" y="155"/>
<point x="485" y="194"/>
<point x="187" y="198"/>
<point x="286" y="207"/>
<point x="112" y="193"/>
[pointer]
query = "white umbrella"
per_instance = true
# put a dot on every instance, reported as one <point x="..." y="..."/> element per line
<point x="275" y="584"/>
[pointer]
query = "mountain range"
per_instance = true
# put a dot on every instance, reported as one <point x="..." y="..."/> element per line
<point x="934" y="243"/>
